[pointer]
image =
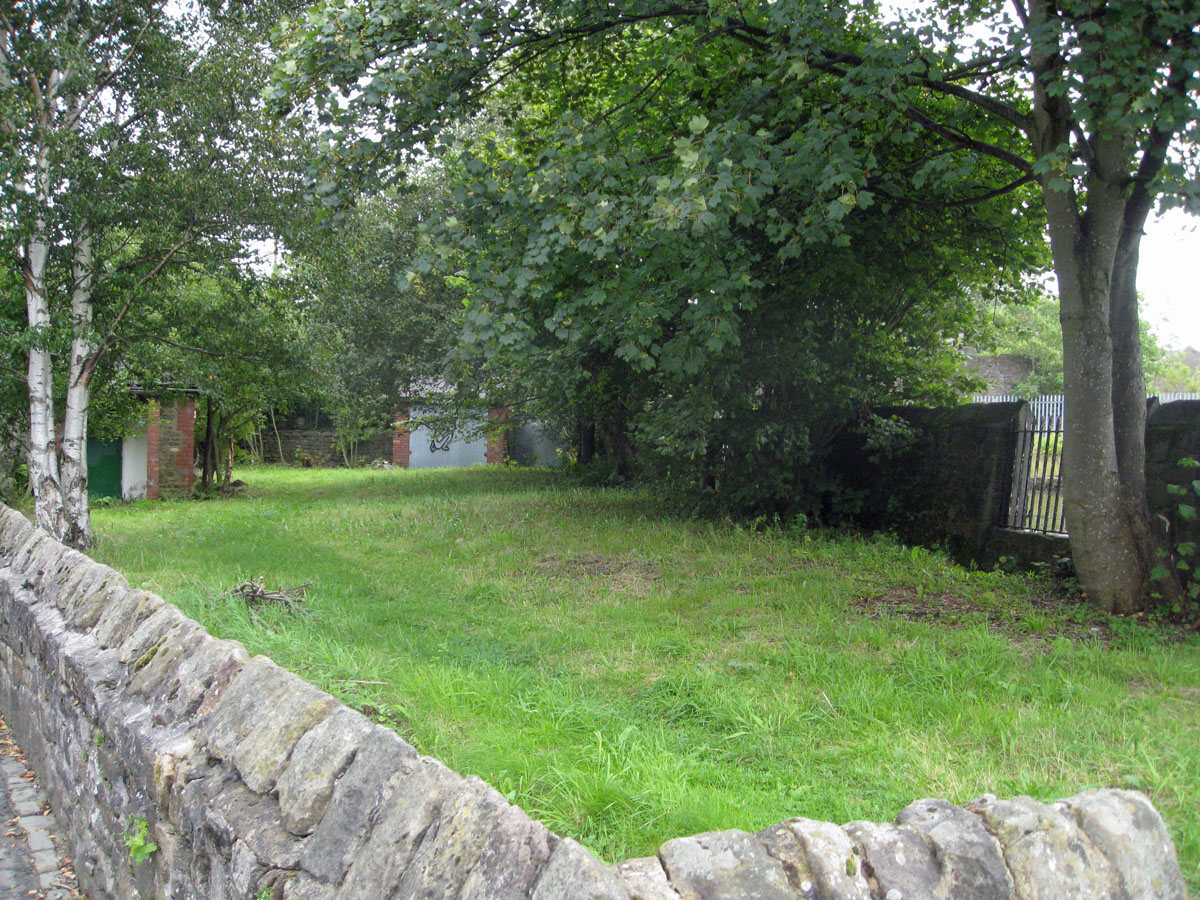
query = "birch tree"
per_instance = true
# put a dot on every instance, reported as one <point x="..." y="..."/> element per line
<point x="124" y="138"/>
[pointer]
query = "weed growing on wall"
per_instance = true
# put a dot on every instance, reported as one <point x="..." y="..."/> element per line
<point x="138" y="843"/>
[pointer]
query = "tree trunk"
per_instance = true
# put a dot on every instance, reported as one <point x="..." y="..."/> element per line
<point x="1129" y="383"/>
<point x="209" y="466"/>
<point x="1105" y="543"/>
<point x="1129" y="415"/>
<point x="278" y="440"/>
<point x="1102" y="499"/>
<point x="77" y="521"/>
<point x="43" y="454"/>
<point x="228" y="479"/>
<point x="585" y="438"/>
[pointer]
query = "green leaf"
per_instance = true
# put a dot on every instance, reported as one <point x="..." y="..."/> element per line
<point x="1186" y="511"/>
<point x="697" y="124"/>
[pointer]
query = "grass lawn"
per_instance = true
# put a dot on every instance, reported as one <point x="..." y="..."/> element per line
<point x="628" y="678"/>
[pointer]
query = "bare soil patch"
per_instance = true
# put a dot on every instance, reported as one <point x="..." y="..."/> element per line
<point x="624" y="573"/>
<point x="1044" y="621"/>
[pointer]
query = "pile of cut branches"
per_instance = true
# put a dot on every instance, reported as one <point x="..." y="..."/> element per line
<point x="256" y="594"/>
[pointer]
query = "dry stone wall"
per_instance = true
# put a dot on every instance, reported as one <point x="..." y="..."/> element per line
<point x="1172" y="437"/>
<point x="947" y="485"/>
<point x="253" y="784"/>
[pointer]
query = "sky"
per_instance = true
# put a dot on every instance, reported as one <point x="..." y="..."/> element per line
<point x="1169" y="278"/>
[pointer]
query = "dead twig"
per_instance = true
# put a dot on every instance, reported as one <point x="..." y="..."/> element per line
<point x="256" y="594"/>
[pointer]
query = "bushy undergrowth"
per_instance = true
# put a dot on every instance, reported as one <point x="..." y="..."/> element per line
<point x="629" y="677"/>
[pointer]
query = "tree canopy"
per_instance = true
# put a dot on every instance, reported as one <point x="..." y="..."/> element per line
<point x="380" y="338"/>
<point x="649" y="142"/>
<point x="699" y="234"/>
<point x="677" y="246"/>
<point x="1032" y="330"/>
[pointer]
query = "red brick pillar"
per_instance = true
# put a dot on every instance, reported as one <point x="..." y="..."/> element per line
<point x="497" y="445"/>
<point x="185" y="460"/>
<point x="401" y="448"/>
<point x="153" y="449"/>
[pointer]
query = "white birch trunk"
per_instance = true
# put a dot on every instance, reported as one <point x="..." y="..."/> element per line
<point x="43" y="455"/>
<point x="77" y="523"/>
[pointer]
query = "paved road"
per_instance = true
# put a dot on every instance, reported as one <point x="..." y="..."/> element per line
<point x="32" y="866"/>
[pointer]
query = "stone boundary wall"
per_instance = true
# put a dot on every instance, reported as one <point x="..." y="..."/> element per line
<point x="254" y="784"/>
<point x="950" y="486"/>
<point x="1173" y="434"/>
<point x="947" y="487"/>
<point x="322" y="447"/>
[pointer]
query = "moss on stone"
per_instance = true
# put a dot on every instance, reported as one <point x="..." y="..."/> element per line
<point x="144" y="660"/>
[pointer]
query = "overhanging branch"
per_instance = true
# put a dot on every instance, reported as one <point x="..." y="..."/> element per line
<point x="962" y="201"/>
<point x="1006" y="156"/>
<point x="216" y="354"/>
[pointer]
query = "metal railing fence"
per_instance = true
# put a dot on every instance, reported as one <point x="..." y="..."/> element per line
<point x="1035" y="499"/>
<point x="1035" y="493"/>
<point x="1050" y="406"/>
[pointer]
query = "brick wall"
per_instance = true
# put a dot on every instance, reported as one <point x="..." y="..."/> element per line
<point x="170" y="449"/>
<point x="322" y="447"/>
<point x="153" y="428"/>
<point x="394" y="444"/>
<point x="401" y="439"/>
<point x="177" y="449"/>
<point x="497" y="447"/>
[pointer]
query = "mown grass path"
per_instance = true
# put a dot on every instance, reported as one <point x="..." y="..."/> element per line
<point x="628" y="677"/>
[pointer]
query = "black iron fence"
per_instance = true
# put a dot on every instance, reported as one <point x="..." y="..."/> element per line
<point x="1035" y="496"/>
<point x="1035" y="492"/>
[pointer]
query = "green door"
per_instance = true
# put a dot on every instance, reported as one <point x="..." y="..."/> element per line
<point x="104" y="468"/>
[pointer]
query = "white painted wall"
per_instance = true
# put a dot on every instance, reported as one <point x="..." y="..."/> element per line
<point x="460" y="452"/>
<point x="134" y="465"/>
